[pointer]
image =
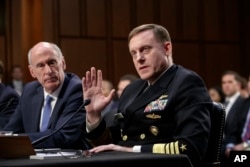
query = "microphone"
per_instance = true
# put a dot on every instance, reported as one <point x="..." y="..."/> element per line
<point x="41" y="139"/>
<point x="8" y="104"/>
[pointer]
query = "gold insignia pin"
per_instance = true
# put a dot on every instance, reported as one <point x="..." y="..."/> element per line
<point x="153" y="116"/>
<point x="163" y="96"/>
<point x="142" y="136"/>
<point x="154" y="130"/>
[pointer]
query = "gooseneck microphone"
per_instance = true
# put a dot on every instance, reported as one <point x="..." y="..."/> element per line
<point x="8" y="104"/>
<point x="39" y="140"/>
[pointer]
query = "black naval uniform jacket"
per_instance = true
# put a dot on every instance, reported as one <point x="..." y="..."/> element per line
<point x="170" y="117"/>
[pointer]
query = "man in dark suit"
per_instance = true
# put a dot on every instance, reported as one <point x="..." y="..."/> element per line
<point x="8" y="100"/>
<point x="47" y="65"/>
<point x="238" y="138"/>
<point x="166" y="111"/>
<point x="233" y="104"/>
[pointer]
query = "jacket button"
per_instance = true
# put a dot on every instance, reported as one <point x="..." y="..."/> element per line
<point x="124" y="138"/>
<point x="142" y="136"/>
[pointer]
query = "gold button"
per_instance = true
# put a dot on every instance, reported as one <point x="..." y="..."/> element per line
<point x="142" y="136"/>
<point x="125" y="137"/>
<point x="154" y="130"/>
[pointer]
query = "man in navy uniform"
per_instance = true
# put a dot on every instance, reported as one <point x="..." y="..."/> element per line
<point x="166" y="111"/>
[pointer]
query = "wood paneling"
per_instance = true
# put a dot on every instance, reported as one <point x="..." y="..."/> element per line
<point x="145" y="11"/>
<point x="212" y="20"/>
<point x="168" y="16"/>
<point x="190" y="20"/>
<point x="69" y="16"/>
<point x="120" y="18"/>
<point x="94" y="32"/>
<point x="96" y="18"/>
<point x="81" y="54"/>
<point x="187" y="55"/>
<point x="123" y="62"/>
<point x="219" y="58"/>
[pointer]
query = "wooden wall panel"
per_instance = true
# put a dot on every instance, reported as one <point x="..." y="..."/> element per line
<point x="145" y="12"/>
<point x="221" y="57"/>
<point x="212" y="20"/>
<point x="96" y="18"/>
<point x="168" y="16"/>
<point x="81" y="54"/>
<point x="232" y="20"/>
<point x="190" y="19"/>
<point x="123" y="62"/>
<point x="69" y="16"/>
<point x="120" y="18"/>
<point x="50" y="29"/>
<point x="187" y="55"/>
<point x="201" y="31"/>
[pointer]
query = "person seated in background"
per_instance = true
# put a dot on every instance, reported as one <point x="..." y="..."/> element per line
<point x="124" y="81"/>
<point x="216" y="94"/>
<point x="243" y="87"/>
<point x="8" y="100"/>
<point x="230" y="82"/>
<point x="17" y="81"/>
<point x="46" y="104"/>
<point x="110" y="110"/>
<point x="238" y="138"/>
<point x="166" y="111"/>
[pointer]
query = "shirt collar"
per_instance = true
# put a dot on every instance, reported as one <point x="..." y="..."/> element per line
<point x="159" y="76"/>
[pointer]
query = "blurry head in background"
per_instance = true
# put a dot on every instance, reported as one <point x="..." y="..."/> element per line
<point x="230" y="83"/>
<point x="216" y="94"/>
<point x="124" y="81"/>
<point x="17" y="73"/>
<point x="107" y="86"/>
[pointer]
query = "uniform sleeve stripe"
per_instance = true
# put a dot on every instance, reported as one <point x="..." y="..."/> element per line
<point x="177" y="147"/>
<point x="172" y="148"/>
<point x="168" y="148"/>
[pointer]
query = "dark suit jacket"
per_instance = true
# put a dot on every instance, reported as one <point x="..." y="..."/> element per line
<point x="8" y="102"/>
<point x="234" y="135"/>
<point x="26" y="118"/>
<point x="175" y="108"/>
<point x="234" y="112"/>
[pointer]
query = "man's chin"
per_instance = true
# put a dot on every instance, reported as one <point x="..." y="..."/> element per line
<point x="51" y="86"/>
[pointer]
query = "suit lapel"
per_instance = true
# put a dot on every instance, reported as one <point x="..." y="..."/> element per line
<point x="36" y="107"/>
<point x="57" y="109"/>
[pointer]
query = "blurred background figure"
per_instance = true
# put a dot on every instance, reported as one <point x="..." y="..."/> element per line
<point x="244" y="87"/>
<point x="111" y="108"/>
<point x="231" y="86"/>
<point x="8" y="100"/>
<point x="216" y="94"/>
<point x="17" y="81"/>
<point x="124" y="81"/>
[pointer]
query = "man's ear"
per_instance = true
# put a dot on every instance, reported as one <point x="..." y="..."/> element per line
<point x="32" y="71"/>
<point x="63" y="64"/>
<point x="168" y="48"/>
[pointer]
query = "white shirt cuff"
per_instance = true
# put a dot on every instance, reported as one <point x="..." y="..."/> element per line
<point x="137" y="149"/>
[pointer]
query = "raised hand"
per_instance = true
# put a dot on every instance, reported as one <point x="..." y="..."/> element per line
<point x="92" y="89"/>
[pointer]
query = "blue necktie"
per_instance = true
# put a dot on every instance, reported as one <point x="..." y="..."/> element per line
<point x="46" y="113"/>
